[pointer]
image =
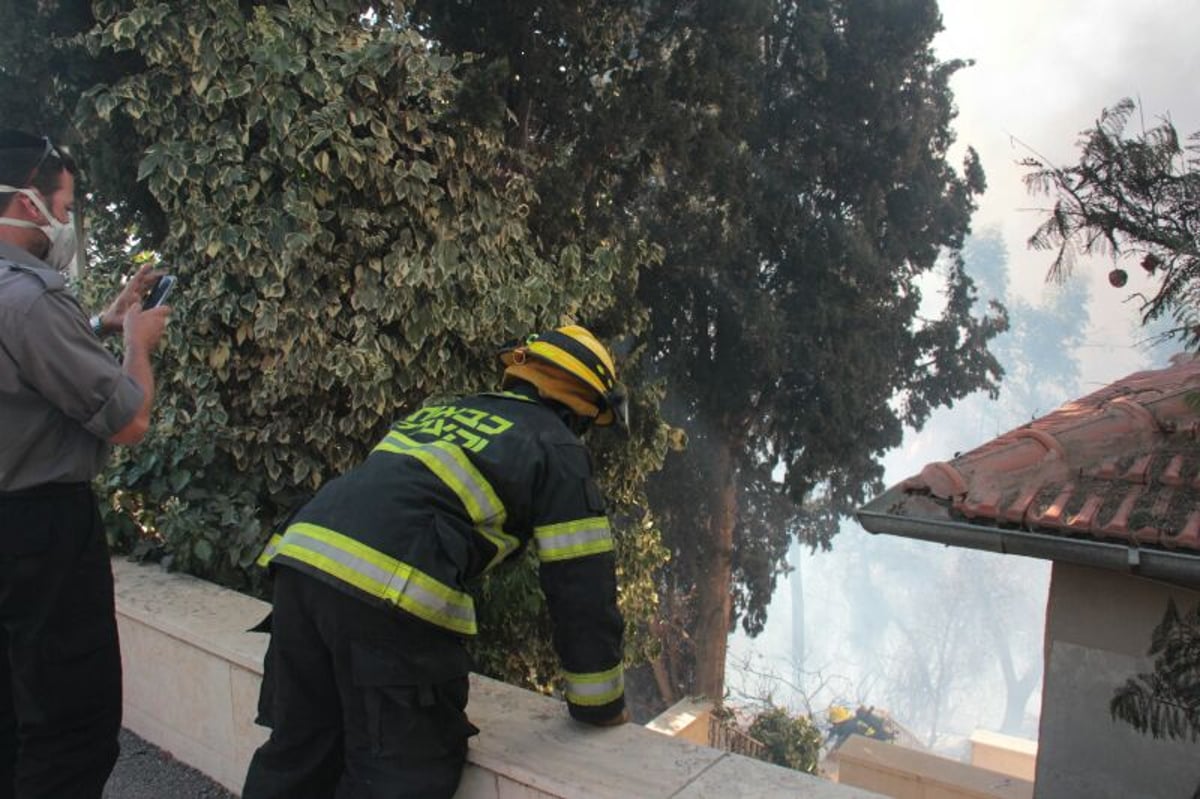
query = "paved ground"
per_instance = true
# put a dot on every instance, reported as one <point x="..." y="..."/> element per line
<point x="146" y="772"/>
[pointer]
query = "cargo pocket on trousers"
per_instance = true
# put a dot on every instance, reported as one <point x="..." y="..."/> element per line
<point x="412" y="711"/>
<point x="82" y="626"/>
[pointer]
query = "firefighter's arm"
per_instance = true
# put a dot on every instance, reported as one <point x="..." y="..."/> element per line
<point x="581" y="595"/>
<point x="578" y="576"/>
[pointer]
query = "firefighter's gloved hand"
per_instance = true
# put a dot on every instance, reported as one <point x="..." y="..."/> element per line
<point x="615" y="721"/>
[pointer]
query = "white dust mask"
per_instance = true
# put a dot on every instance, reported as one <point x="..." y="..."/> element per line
<point x="61" y="234"/>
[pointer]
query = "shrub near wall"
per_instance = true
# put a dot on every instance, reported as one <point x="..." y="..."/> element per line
<point x="347" y="245"/>
<point x="791" y="741"/>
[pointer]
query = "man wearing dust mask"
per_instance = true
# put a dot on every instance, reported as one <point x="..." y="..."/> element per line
<point x="64" y="400"/>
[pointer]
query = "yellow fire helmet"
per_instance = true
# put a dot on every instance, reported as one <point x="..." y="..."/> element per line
<point x="571" y="366"/>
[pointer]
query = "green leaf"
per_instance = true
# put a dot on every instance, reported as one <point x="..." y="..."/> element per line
<point x="124" y="29"/>
<point x="203" y="551"/>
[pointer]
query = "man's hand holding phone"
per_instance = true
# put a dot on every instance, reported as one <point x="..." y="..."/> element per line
<point x="144" y="323"/>
<point x="144" y="328"/>
<point x="111" y="320"/>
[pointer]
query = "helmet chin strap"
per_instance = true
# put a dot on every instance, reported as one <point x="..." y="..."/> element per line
<point x="578" y="424"/>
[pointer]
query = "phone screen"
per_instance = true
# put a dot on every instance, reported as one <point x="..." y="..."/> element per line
<point x="158" y="294"/>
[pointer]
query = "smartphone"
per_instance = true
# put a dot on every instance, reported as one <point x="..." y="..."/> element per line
<point x="158" y="294"/>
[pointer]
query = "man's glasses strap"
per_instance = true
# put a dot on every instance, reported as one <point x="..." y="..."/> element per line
<point x="49" y="150"/>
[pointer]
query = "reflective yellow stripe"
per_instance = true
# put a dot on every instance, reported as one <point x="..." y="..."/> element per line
<point x="269" y="550"/>
<point x="452" y="467"/>
<point x="599" y="688"/>
<point x="558" y="356"/>
<point x="574" y="539"/>
<point x="379" y="575"/>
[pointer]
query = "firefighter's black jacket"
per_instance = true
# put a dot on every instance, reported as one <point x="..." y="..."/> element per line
<point x="452" y="491"/>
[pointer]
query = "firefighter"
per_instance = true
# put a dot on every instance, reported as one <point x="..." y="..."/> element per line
<point x="365" y="679"/>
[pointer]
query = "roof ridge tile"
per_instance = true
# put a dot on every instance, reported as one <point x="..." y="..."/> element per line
<point x="1047" y="440"/>
<point x="1144" y="418"/>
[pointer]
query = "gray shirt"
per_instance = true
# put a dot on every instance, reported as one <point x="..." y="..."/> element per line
<point x="62" y="394"/>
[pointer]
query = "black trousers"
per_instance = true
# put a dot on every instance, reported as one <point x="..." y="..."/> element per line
<point x="60" y="674"/>
<point x="363" y="702"/>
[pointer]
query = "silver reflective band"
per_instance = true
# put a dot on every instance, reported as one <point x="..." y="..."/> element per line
<point x="574" y="539"/>
<point x="377" y="574"/>
<point x="294" y="538"/>
<point x="370" y="570"/>
<point x="595" y="689"/>
<point x="482" y="502"/>
<point x="453" y="468"/>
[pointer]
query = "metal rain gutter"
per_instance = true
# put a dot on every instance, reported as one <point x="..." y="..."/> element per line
<point x="1179" y="569"/>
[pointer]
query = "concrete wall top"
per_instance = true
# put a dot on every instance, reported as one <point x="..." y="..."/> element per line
<point x="199" y="613"/>
<point x="902" y="772"/>
<point x="1007" y="754"/>
<point x="999" y="740"/>
<point x="681" y="715"/>
<point x="527" y="739"/>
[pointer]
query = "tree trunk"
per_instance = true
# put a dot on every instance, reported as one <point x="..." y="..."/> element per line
<point x="1018" y="691"/>
<point x="715" y="585"/>
<point x="1016" y="700"/>
<point x="799" y="645"/>
<point x="1017" y="688"/>
<point x="663" y="680"/>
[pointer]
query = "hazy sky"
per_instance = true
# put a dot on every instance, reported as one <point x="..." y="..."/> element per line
<point x="1044" y="69"/>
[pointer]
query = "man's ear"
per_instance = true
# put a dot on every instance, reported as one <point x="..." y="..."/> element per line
<point x="22" y="207"/>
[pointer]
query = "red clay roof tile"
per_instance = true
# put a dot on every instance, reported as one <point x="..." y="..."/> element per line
<point x="1121" y="464"/>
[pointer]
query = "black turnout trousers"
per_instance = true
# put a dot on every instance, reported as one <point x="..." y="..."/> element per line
<point x="363" y="702"/>
<point x="60" y="674"/>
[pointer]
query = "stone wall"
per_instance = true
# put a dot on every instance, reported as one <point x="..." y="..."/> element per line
<point x="192" y="673"/>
